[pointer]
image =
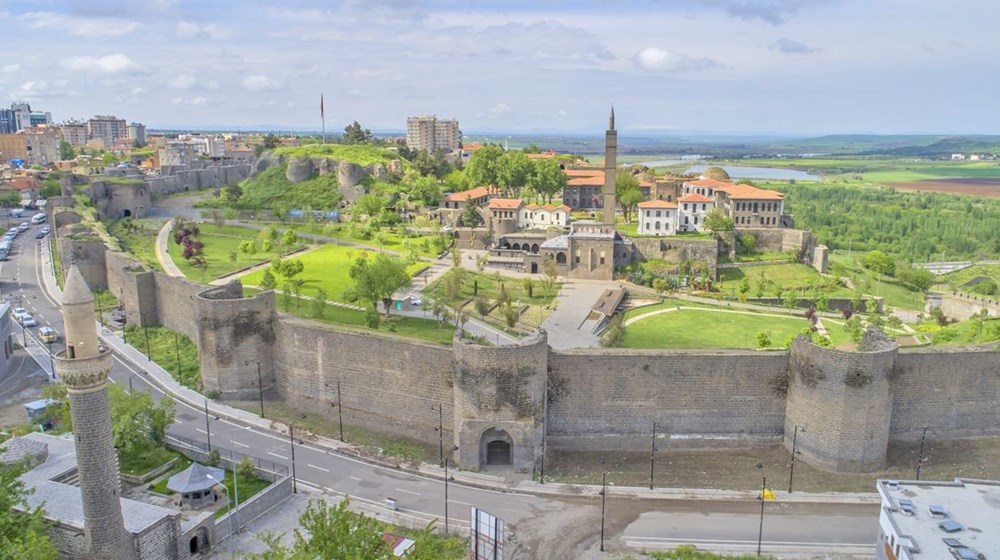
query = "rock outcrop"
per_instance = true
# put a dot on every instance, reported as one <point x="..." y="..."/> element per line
<point x="299" y="169"/>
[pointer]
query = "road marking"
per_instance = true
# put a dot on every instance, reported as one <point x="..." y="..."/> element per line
<point x="407" y="491"/>
<point x="736" y="541"/>
<point x="354" y="478"/>
<point x="278" y="456"/>
<point x="200" y="430"/>
<point x="460" y="502"/>
<point x="240" y="444"/>
<point x="317" y="468"/>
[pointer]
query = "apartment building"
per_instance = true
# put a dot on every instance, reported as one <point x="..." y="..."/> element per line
<point x="137" y="133"/>
<point x="427" y="132"/>
<point x="74" y="132"/>
<point x="107" y="128"/>
<point x="35" y="146"/>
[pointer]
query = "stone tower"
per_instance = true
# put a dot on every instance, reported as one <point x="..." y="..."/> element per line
<point x="84" y="368"/>
<point x="610" y="164"/>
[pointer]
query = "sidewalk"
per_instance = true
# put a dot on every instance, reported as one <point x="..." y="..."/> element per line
<point x="163" y="250"/>
<point x="162" y="379"/>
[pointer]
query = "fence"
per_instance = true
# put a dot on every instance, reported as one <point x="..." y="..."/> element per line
<point x="199" y="451"/>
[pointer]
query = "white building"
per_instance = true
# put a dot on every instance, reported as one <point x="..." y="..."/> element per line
<point x="692" y="210"/>
<point x="534" y="216"/>
<point x="137" y="133"/>
<point x="427" y="132"/>
<point x="657" y="217"/>
<point x="938" y="520"/>
<point x="107" y="128"/>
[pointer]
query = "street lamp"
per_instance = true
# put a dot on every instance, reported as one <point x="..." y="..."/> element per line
<point x="145" y="332"/>
<point x="260" y="388"/>
<point x="763" y="488"/>
<point x="229" y="512"/>
<point x="604" y="500"/>
<point x="446" y="477"/>
<point x="791" y="470"/>
<point x="652" y="456"/>
<point x="920" y="459"/>
<point x="440" y="431"/>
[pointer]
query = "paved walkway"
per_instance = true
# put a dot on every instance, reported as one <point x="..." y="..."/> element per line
<point x="568" y="326"/>
<point x="163" y="251"/>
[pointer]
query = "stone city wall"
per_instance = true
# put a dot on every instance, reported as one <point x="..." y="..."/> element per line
<point x="387" y="384"/>
<point x="608" y="400"/>
<point x="193" y="179"/>
<point x="162" y="540"/>
<point x="676" y="249"/>
<point x="235" y="337"/>
<point x="88" y="253"/>
<point x="960" y="307"/>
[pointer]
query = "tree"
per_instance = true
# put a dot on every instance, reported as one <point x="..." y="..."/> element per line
<point x="271" y="141"/>
<point x="22" y="533"/>
<point x="289" y="268"/>
<point x="246" y="468"/>
<point x="482" y="306"/>
<point x="330" y="533"/>
<point x="529" y="286"/>
<point x="628" y="193"/>
<point x="716" y="221"/>
<point x="232" y="193"/>
<point x="879" y="262"/>
<point x="470" y="215"/>
<point x="763" y="340"/>
<point x="267" y="245"/>
<point x="136" y="421"/>
<point x="289" y="238"/>
<point x="267" y="282"/>
<point x="550" y="273"/>
<point x="319" y="304"/>
<point x="249" y="248"/>
<point x="268" y="233"/>
<point x="746" y="244"/>
<point x="65" y="150"/>
<point x="484" y="166"/>
<point x="744" y="289"/>
<point x="513" y="172"/>
<point x="547" y="178"/>
<point x="614" y="335"/>
<point x="377" y="277"/>
<point x="354" y="134"/>
<point x="511" y="313"/>
<point x="790" y="300"/>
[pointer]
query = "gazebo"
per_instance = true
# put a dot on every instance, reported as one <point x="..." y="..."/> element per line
<point x="195" y="484"/>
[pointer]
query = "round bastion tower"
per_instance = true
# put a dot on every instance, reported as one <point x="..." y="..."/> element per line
<point x="84" y="367"/>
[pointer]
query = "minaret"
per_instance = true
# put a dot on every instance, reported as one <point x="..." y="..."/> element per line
<point x="610" y="164"/>
<point x="84" y="368"/>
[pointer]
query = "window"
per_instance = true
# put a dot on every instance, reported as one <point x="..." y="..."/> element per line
<point x="696" y="220"/>
<point x="685" y="205"/>
<point x="685" y="220"/>
<point x="602" y="257"/>
<point x="656" y="225"/>
<point x="657" y="213"/>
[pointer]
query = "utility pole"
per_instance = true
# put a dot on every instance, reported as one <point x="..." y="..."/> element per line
<point x="920" y="459"/>
<point x="260" y="387"/>
<point x="652" y="456"/>
<point x="441" y="434"/>
<point x="791" y="470"/>
<point x="340" y="412"/>
<point x="291" y="441"/>
<point x="208" y="428"/>
<point x="604" y="500"/>
<point x="177" y="354"/>
<point x="446" y="496"/>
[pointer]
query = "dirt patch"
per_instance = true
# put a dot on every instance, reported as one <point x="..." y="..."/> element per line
<point x="977" y="187"/>
<point x="736" y="469"/>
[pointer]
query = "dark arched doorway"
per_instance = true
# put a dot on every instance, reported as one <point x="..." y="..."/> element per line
<point x="496" y="449"/>
<point x="534" y="268"/>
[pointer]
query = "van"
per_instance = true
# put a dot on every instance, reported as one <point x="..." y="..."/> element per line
<point x="16" y="212"/>
<point x="38" y="218"/>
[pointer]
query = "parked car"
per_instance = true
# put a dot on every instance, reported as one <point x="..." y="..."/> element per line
<point x="48" y="334"/>
<point x="46" y="230"/>
<point x="416" y="300"/>
<point x="40" y="235"/>
<point x="19" y="312"/>
<point x="28" y="321"/>
<point x="23" y="226"/>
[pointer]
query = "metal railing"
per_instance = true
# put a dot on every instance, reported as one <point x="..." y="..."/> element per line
<point x="199" y="451"/>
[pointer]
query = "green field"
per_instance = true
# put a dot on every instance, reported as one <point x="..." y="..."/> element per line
<point x="354" y="153"/>
<point x="956" y="279"/>
<point x="882" y="169"/>
<point x="328" y="268"/>
<point x="171" y="350"/>
<point x="138" y="238"/>
<point x="385" y="238"/>
<point x="691" y="328"/>
<point x="219" y="243"/>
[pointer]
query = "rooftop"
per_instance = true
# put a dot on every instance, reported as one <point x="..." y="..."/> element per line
<point x="658" y="204"/>
<point x="475" y="193"/>
<point x="694" y="197"/>
<point x="973" y="505"/>
<point x="505" y="203"/>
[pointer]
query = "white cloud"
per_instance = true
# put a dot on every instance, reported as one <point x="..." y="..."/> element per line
<point x="654" y="59"/>
<point x="116" y="63"/>
<point x="189" y="30"/>
<point x="197" y="100"/>
<point x="789" y="46"/>
<point x="260" y="82"/>
<point x="44" y="88"/>
<point x="10" y="68"/>
<point x="497" y="110"/>
<point x="182" y="81"/>
<point x="90" y="27"/>
<point x="132" y="95"/>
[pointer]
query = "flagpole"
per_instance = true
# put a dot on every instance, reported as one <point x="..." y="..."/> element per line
<point x="322" y="116"/>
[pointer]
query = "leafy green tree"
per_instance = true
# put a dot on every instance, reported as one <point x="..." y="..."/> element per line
<point x="232" y="193"/>
<point x="763" y="340"/>
<point x="716" y="221"/>
<point x="614" y="335"/>
<point x="65" y="150"/>
<point x="550" y="273"/>
<point x="369" y="204"/>
<point x="267" y="245"/>
<point x="744" y="289"/>
<point x="470" y="215"/>
<point x="329" y="533"/>
<point x="289" y="238"/>
<point x="249" y="248"/>
<point x="484" y="166"/>
<point x="529" y="286"/>
<point x="547" y="178"/>
<point x="377" y="277"/>
<point x="288" y="268"/>
<point x="790" y="300"/>
<point x="746" y="244"/>
<point x="482" y="306"/>
<point x="267" y="282"/>
<point x="425" y="190"/>
<point x="246" y="468"/>
<point x="879" y="262"/>
<point x="22" y="533"/>
<point x="628" y="193"/>
<point x="268" y="233"/>
<point x="511" y="313"/>
<point x="136" y="421"/>
<point x="271" y="141"/>
<point x="513" y="173"/>
<point x="354" y="134"/>
<point x="319" y="303"/>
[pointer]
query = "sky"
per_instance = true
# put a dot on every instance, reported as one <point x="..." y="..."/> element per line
<point x="790" y="67"/>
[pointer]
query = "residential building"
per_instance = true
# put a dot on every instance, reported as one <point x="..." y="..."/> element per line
<point x="478" y="196"/>
<point x="584" y="189"/>
<point x="74" y="132"/>
<point x="8" y="122"/>
<point x="430" y="133"/>
<point x="22" y="115"/>
<point x="692" y="209"/>
<point x="36" y="146"/>
<point x="746" y="205"/>
<point x="657" y="217"/>
<point x="215" y="147"/>
<point x="934" y="520"/>
<point x="137" y="133"/>
<point x="107" y="128"/>
<point x="513" y="214"/>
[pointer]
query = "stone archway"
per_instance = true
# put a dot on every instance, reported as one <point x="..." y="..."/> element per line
<point x="496" y="449"/>
<point x="534" y="268"/>
<point x="560" y="258"/>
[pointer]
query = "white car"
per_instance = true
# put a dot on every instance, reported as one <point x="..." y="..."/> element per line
<point x="28" y="321"/>
<point x="416" y="300"/>
<point x="23" y="226"/>
<point x="46" y="230"/>
<point x="19" y="312"/>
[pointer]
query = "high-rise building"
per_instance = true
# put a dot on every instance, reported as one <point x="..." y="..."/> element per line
<point x="137" y="133"/>
<point x="430" y="133"/>
<point x="22" y="115"/>
<point x="35" y="146"/>
<point x="84" y="367"/>
<point x="74" y="132"/>
<point x="8" y="122"/>
<point x="107" y="128"/>
<point x="39" y="118"/>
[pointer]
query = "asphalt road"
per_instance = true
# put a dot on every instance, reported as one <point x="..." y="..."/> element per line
<point x="557" y="527"/>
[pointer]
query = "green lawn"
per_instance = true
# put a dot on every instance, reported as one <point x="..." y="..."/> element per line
<point x="957" y="278"/>
<point x="488" y="286"/>
<point x="965" y="332"/>
<point x="138" y="238"/>
<point x="248" y="486"/>
<point x="354" y="153"/>
<point x="220" y="242"/>
<point x="327" y="268"/>
<point x="868" y="282"/>
<point x="171" y="350"/>
<point x="138" y="464"/>
<point x="690" y="328"/>
<point x="409" y="327"/>
<point x="385" y="238"/>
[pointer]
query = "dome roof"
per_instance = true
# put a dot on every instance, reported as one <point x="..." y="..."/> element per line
<point x="19" y="449"/>
<point x="717" y="173"/>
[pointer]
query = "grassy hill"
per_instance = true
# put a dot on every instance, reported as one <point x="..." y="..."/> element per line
<point x="359" y="154"/>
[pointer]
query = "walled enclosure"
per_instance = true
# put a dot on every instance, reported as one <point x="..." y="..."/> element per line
<point x="851" y="403"/>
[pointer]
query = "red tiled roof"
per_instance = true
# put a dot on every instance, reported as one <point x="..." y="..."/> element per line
<point x="657" y="204"/>
<point x="505" y="203"/>
<point x="595" y="177"/>
<point x="549" y="207"/>
<point x="709" y="183"/>
<point x="478" y="192"/>
<point x="471" y="146"/>
<point x="694" y="197"/>
<point x="750" y="192"/>
<point x="585" y="172"/>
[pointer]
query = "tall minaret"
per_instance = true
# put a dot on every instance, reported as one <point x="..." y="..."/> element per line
<point x="610" y="164"/>
<point x="84" y="368"/>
